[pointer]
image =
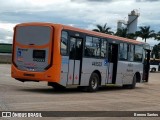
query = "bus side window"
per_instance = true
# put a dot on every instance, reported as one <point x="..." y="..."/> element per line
<point x="123" y="51"/>
<point x="88" y="45"/>
<point x="130" y="52"/>
<point x="103" y="48"/>
<point x="138" y="53"/>
<point x="92" y="47"/>
<point x="64" y="43"/>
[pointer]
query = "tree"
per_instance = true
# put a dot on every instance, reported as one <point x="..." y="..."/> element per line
<point x="103" y="29"/>
<point x="157" y="36"/>
<point x="123" y="33"/>
<point x="156" y="51"/>
<point x="131" y="36"/>
<point x="145" y="33"/>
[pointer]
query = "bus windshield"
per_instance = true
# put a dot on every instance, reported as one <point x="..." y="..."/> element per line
<point x="33" y="35"/>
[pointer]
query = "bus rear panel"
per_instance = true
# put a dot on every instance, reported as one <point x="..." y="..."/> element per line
<point x="33" y="57"/>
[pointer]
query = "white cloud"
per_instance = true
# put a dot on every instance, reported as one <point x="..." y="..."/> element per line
<point x="7" y="26"/>
<point x="78" y="13"/>
<point x="8" y="38"/>
<point x="150" y="41"/>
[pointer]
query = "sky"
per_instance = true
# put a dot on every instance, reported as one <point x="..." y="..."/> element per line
<point x="85" y="14"/>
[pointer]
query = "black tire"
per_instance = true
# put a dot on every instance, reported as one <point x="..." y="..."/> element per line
<point x="82" y="88"/>
<point x="133" y="85"/>
<point x="153" y="70"/>
<point x="93" y="83"/>
<point x="56" y="87"/>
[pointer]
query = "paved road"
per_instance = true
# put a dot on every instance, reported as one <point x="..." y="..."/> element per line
<point x="18" y="96"/>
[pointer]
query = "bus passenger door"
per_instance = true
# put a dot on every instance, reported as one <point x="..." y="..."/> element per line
<point x="146" y="66"/>
<point x="113" y="60"/>
<point x="75" y="61"/>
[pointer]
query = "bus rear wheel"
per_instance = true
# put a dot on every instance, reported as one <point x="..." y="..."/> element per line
<point x="133" y="85"/>
<point x="93" y="83"/>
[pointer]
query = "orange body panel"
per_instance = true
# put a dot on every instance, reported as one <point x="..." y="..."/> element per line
<point x="53" y="73"/>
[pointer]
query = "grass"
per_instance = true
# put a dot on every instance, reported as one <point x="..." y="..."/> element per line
<point x="5" y="48"/>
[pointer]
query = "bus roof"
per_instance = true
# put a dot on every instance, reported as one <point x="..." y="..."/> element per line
<point x="102" y="35"/>
<point x="84" y="31"/>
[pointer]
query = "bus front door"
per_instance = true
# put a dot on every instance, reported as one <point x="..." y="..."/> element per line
<point x="75" y="61"/>
<point x="146" y="66"/>
<point x="113" y="60"/>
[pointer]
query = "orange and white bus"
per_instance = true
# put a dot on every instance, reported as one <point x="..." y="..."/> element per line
<point x="66" y="56"/>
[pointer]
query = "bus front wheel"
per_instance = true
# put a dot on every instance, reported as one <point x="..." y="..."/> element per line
<point x="93" y="82"/>
<point x="153" y="70"/>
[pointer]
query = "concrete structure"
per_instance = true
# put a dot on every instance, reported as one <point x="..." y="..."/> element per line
<point x="36" y="96"/>
<point x="121" y="24"/>
<point x="132" y="21"/>
<point x="131" y="24"/>
<point x="5" y="58"/>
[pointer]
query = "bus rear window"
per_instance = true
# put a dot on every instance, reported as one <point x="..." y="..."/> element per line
<point x="39" y="54"/>
<point x="33" y="35"/>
